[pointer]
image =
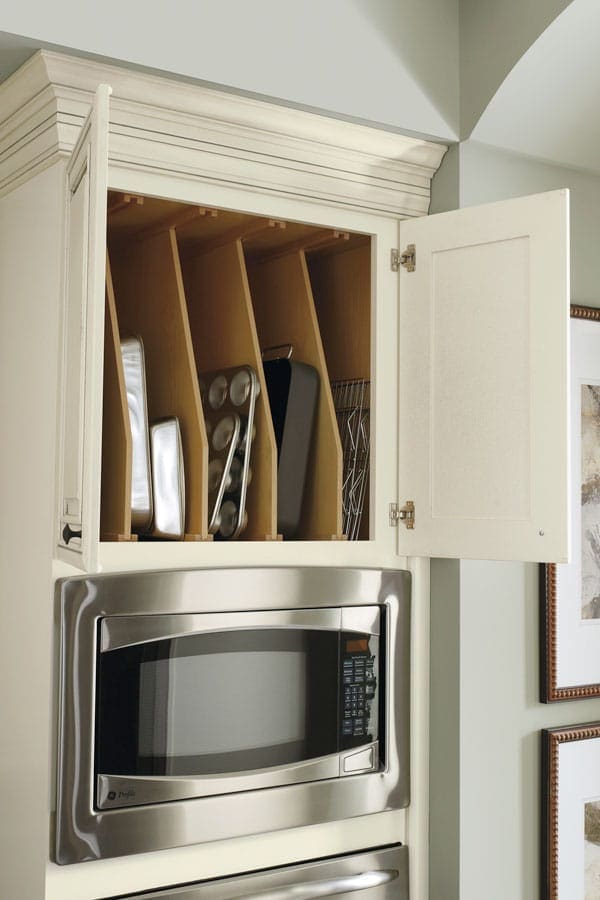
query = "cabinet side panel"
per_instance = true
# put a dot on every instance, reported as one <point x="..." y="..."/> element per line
<point x="31" y="229"/>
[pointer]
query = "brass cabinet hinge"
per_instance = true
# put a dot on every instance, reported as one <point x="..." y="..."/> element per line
<point x="406" y="514"/>
<point x="408" y="259"/>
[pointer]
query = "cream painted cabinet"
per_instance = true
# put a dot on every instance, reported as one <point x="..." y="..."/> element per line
<point x="457" y="321"/>
<point x="215" y="227"/>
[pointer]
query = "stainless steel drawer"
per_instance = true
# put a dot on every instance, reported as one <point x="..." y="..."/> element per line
<point x="380" y="874"/>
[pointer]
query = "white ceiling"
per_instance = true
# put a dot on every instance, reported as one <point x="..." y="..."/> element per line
<point x="549" y="105"/>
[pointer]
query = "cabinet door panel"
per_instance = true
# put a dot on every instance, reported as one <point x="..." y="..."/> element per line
<point x="483" y="381"/>
<point x="79" y="494"/>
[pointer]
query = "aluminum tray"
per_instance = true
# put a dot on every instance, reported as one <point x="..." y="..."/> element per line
<point x="132" y="351"/>
<point x="168" y="479"/>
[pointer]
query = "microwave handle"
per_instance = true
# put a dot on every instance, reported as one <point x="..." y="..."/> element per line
<point x="118" y="791"/>
<point x="126" y="631"/>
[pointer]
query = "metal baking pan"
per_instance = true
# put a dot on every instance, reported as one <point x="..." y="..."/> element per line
<point x="132" y="351"/>
<point x="293" y="389"/>
<point x="224" y="437"/>
<point x="168" y="479"/>
<point x="229" y="403"/>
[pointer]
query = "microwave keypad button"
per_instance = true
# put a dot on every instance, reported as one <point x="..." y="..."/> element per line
<point x="359" y="687"/>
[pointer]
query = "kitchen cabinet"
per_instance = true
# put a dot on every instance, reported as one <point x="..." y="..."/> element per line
<point x="218" y="226"/>
<point x="477" y="343"/>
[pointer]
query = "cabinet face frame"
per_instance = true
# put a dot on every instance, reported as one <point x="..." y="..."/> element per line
<point x="384" y="366"/>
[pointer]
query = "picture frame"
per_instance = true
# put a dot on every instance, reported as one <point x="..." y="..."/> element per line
<point x="570" y="865"/>
<point x="570" y="592"/>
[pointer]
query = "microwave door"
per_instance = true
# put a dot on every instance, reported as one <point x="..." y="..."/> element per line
<point x="194" y="705"/>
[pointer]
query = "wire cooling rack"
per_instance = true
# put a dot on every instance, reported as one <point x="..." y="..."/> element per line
<point x="352" y="406"/>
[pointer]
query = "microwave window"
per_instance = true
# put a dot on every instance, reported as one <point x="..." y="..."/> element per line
<point x="215" y="703"/>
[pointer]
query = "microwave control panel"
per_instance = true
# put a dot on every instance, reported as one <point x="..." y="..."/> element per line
<point x="359" y="691"/>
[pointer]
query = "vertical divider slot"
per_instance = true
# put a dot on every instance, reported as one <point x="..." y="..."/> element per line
<point x="115" y="506"/>
<point x="224" y="335"/>
<point x="285" y="314"/>
<point x="341" y="283"/>
<point x="150" y="303"/>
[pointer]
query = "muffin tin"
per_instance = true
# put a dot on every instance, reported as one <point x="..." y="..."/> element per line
<point x="229" y="403"/>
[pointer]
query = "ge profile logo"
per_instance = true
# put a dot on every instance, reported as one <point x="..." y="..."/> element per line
<point x="120" y="795"/>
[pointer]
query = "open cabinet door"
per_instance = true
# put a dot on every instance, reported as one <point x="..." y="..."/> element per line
<point x="79" y="485"/>
<point x="483" y="445"/>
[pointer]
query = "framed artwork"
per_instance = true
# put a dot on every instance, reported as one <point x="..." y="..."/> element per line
<point x="571" y="813"/>
<point x="570" y="593"/>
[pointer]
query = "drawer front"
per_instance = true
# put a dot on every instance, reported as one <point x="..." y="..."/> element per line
<point x="374" y="875"/>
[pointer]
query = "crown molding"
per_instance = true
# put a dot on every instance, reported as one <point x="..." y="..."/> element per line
<point x="194" y="131"/>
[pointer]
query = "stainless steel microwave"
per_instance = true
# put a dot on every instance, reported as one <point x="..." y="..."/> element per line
<point x="206" y="704"/>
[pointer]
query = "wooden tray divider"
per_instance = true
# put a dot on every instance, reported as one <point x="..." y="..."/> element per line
<point x="318" y="239"/>
<point x="150" y="303"/>
<point x="176" y="220"/>
<point x="224" y="335"/>
<point x="118" y="202"/>
<point x="285" y="314"/>
<point x="115" y="504"/>
<point x="341" y="284"/>
<point x="254" y="225"/>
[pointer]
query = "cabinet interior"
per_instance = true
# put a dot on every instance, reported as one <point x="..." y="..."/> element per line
<point x="210" y="289"/>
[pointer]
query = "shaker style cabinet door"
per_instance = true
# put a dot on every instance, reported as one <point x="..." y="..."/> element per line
<point x="79" y="487"/>
<point x="483" y="443"/>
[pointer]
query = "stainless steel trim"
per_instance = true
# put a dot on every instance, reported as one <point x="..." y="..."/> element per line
<point x="364" y="619"/>
<point x="139" y="790"/>
<point x="348" y="872"/>
<point x="84" y="832"/>
<point x="126" y="631"/>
